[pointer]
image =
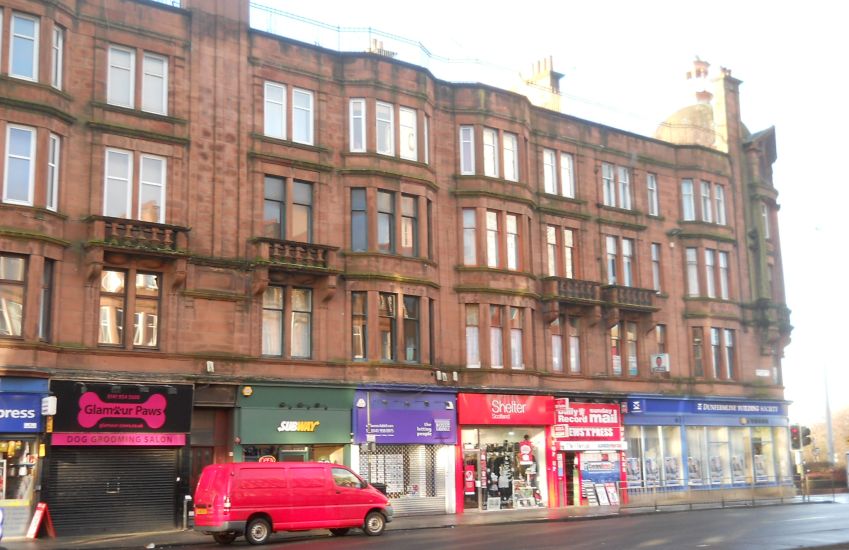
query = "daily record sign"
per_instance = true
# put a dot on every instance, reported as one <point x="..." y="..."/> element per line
<point x="586" y="426"/>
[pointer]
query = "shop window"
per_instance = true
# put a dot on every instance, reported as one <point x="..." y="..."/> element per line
<point x="17" y="469"/>
<point x="12" y="286"/>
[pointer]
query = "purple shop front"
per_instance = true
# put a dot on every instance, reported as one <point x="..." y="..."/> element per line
<point x="425" y="418"/>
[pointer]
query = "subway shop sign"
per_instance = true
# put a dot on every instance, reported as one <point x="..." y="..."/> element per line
<point x="20" y="413"/>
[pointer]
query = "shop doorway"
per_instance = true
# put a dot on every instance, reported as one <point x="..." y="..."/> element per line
<point x="473" y="480"/>
<point x="568" y="479"/>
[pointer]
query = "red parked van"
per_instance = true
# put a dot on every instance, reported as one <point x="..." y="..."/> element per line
<point x="259" y="498"/>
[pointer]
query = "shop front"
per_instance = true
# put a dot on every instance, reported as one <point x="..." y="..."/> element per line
<point x="589" y="447"/>
<point x="118" y="459"/>
<point x="705" y="443"/>
<point x="503" y="452"/>
<point x="406" y="441"/>
<point x="20" y="449"/>
<point x="293" y="424"/>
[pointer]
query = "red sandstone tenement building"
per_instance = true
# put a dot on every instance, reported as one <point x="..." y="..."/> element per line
<point x="222" y="244"/>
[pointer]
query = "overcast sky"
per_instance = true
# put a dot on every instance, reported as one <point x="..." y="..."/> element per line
<point x="624" y="64"/>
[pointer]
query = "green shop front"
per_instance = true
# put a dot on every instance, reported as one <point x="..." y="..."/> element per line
<point x="293" y="424"/>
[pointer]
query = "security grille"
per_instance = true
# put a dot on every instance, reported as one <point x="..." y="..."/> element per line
<point x="414" y="477"/>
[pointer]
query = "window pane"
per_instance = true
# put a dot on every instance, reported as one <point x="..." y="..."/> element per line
<point x="20" y="150"/>
<point x="467" y="150"/>
<point x="359" y="221"/>
<point x="146" y="323"/>
<point x="492" y="239"/>
<point x="147" y="284"/>
<point x="111" y="320"/>
<point x="57" y="58"/>
<point x="24" y="56"/>
<point x="511" y="157"/>
<point x="154" y="84"/>
<point x="385" y="130"/>
<point x="567" y="176"/>
<point x="688" y="204"/>
<point x="358" y="126"/>
<point x="490" y="152"/>
<point x="275" y="110"/>
<point x="11" y="295"/>
<point x="358" y="325"/>
<point x="272" y="332"/>
<point x="409" y="139"/>
<point x="386" y="320"/>
<point x="302" y="116"/>
<point x="469" y="237"/>
<point x="120" y="81"/>
<point x="411" y="328"/>
<point x="548" y="171"/>
<point x="152" y="190"/>
<point x="301" y="322"/>
<point x="118" y="170"/>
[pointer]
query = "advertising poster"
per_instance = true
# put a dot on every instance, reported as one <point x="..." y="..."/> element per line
<point x="694" y="470"/>
<point x="672" y="470"/>
<point x="717" y="470"/>
<point x="633" y="473"/>
<point x="652" y="472"/>
<point x="738" y="473"/>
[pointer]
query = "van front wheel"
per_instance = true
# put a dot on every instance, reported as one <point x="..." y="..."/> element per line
<point x="224" y="538"/>
<point x="374" y="524"/>
<point x="258" y="531"/>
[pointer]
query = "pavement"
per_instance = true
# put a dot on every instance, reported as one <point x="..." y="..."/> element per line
<point x="188" y="537"/>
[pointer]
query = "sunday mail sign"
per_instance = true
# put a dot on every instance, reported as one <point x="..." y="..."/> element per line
<point x="587" y="426"/>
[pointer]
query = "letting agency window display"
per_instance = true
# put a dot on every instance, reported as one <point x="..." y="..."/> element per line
<point x="504" y="452"/>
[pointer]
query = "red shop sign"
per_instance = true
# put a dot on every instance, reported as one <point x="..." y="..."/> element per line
<point x="587" y="421"/>
<point x="516" y="410"/>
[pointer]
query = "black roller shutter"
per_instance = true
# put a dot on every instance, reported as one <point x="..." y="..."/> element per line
<point x="112" y="490"/>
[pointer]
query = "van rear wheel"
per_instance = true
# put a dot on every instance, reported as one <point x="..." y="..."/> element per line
<point x="224" y="538"/>
<point x="374" y="524"/>
<point x="258" y="531"/>
<point x="340" y="532"/>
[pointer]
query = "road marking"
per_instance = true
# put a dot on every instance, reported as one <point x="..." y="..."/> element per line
<point x="807" y="518"/>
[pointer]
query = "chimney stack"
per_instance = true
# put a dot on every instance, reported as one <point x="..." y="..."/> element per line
<point x="699" y="79"/>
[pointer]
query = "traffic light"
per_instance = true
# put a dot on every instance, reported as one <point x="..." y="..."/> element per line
<point x="795" y="437"/>
<point x="806" y="436"/>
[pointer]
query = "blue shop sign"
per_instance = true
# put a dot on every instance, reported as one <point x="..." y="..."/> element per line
<point x="706" y="407"/>
<point x="20" y="413"/>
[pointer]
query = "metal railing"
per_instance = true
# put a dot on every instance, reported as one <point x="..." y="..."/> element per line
<point x="740" y="491"/>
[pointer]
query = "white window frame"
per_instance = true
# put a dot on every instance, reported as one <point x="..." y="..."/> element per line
<point x="145" y="182"/>
<point x="276" y="104"/>
<point x="612" y="252"/>
<point x="692" y="262"/>
<point x="567" y="175"/>
<point x="655" y="266"/>
<point x="511" y="230"/>
<point x="510" y="146"/>
<point x="130" y="72"/>
<point x="719" y="199"/>
<point x="149" y="99"/>
<point x="651" y="187"/>
<point x="549" y="171"/>
<point x="357" y="125"/>
<point x="305" y="135"/>
<point x="128" y="179"/>
<point x="710" y="273"/>
<point x="724" y="292"/>
<point x="608" y="185"/>
<point x="490" y="152"/>
<point x="13" y="37"/>
<point x="492" y="239"/>
<point x="409" y="146"/>
<point x="467" y="150"/>
<point x="53" y="164"/>
<point x="688" y="200"/>
<point x="627" y="262"/>
<point x="426" y="139"/>
<point x="706" y="202"/>
<point x="470" y="253"/>
<point x="623" y="179"/>
<point x="30" y="159"/>
<point x="57" y="57"/>
<point x="385" y="126"/>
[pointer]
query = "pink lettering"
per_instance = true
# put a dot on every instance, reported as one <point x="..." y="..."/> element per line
<point x="92" y="409"/>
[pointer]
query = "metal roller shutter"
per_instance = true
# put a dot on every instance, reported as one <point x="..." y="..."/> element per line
<point x="112" y="490"/>
<point x="414" y="478"/>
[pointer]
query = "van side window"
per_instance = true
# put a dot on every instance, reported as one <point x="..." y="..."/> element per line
<point x="344" y="478"/>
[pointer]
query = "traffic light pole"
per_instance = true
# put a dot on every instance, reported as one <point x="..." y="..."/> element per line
<point x="828" y="432"/>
